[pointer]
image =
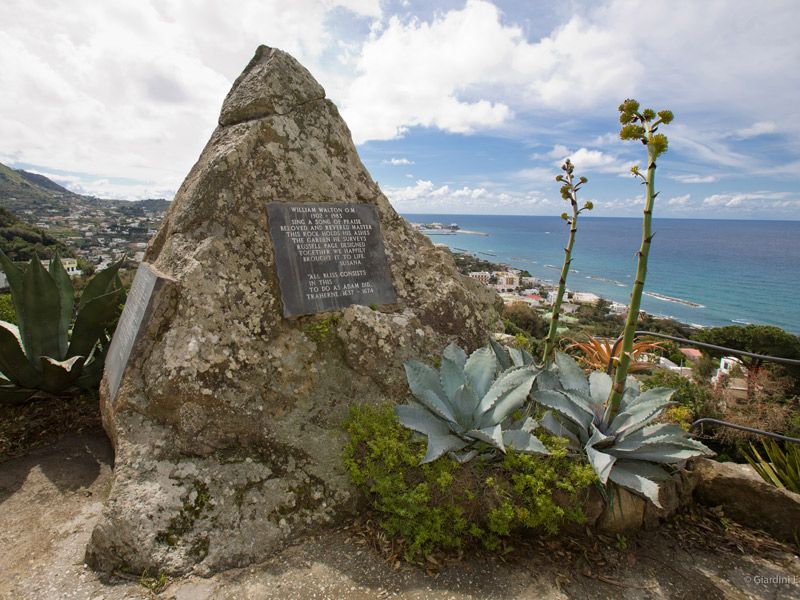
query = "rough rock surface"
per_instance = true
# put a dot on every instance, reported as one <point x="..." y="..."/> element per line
<point x="748" y="499"/>
<point x="227" y="423"/>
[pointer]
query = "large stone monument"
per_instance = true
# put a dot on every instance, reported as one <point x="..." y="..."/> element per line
<point x="281" y="289"/>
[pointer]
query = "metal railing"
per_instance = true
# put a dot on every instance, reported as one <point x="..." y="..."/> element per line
<point x="698" y="422"/>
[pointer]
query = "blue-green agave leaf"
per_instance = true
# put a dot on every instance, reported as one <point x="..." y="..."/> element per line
<point x="525" y="424"/>
<point x="637" y="477"/>
<point x="480" y="370"/>
<point x="101" y="284"/>
<point x="93" y="367"/>
<point x="664" y="453"/>
<point x="67" y="300"/>
<point x="91" y="323"/>
<point x="584" y="402"/>
<point x="426" y="387"/>
<point x="420" y="419"/>
<point x="527" y="357"/>
<point x="632" y="390"/>
<point x="490" y="435"/>
<point x="42" y="313"/>
<point x="599" y="387"/>
<point x="58" y="375"/>
<point x="548" y="379"/>
<point x="442" y="444"/>
<point x="638" y="415"/>
<point x="657" y="434"/>
<point x="507" y="394"/>
<point x="451" y="375"/>
<point x="601" y="463"/>
<point x="562" y="403"/>
<point x="500" y="352"/>
<point x="516" y="356"/>
<point x="598" y="438"/>
<point x="550" y="422"/>
<point x="455" y="353"/>
<point x="524" y="441"/>
<point x="570" y="374"/>
<point x="464" y="404"/>
<point x="629" y="395"/>
<point x="464" y="457"/>
<point x="13" y="363"/>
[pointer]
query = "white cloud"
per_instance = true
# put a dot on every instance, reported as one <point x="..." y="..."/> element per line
<point x="756" y="129"/>
<point x="679" y="200"/>
<point x="414" y="73"/>
<point x="694" y="178"/>
<point x="586" y="160"/>
<point x="752" y="200"/>
<point x="110" y="188"/>
<point x="398" y="161"/>
<point x="458" y="71"/>
<point x="132" y="88"/>
<point x="425" y="197"/>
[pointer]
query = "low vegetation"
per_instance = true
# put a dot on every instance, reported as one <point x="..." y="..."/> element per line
<point x="447" y="505"/>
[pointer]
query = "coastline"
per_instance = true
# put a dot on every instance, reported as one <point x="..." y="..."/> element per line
<point x="553" y="285"/>
<point x="731" y="273"/>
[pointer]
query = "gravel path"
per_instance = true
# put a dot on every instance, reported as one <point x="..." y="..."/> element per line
<point x="51" y="498"/>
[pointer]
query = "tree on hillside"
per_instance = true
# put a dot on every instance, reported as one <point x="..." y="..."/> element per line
<point x="22" y="241"/>
<point x="759" y="339"/>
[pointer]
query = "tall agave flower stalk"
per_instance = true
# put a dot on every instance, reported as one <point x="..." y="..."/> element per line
<point x="569" y="192"/>
<point x="641" y="126"/>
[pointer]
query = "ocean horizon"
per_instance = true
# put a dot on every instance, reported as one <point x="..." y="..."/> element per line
<point x="705" y="272"/>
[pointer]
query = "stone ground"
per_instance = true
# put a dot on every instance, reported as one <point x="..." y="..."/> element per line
<point x="51" y="498"/>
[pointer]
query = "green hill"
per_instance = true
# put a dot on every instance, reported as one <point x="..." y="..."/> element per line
<point x="20" y="240"/>
<point x="14" y="185"/>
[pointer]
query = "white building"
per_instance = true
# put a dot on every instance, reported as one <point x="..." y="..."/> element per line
<point x="482" y="276"/>
<point x="726" y="365"/>
<point x="585" y="298"/>
<point x="568" y="308"/>
<point x="506" y="281"/>
<point x="70" y="266"/>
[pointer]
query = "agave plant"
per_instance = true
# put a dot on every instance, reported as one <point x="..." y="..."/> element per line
<point x="42" y="355"/>
<point x="625" y="447"/>
<point x="466" y="403"/>
<point x="597" y="353"/>
<point x="508" y="356"/>
<point x="780" y="468"/>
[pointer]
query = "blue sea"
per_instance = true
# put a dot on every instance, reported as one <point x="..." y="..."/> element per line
<point x="735" y="272"/>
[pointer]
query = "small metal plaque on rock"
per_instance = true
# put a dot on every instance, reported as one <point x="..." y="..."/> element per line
<point x="328" y="256"/>
<point x="133" y="320"/>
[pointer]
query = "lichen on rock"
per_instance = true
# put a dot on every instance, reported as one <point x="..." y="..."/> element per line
<point x="224" y="399"/>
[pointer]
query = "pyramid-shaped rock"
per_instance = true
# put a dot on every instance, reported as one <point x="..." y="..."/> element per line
<point x="226" y="415"/>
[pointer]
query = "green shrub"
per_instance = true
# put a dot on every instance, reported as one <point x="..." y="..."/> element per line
<point x="687" y="393"/>
<point x="7" y="312"/>
<point x="444" y="505"/>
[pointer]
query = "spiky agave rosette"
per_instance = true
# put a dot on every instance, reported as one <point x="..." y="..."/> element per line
<point x="42" y="354"/>
<point x="625" y="447"/>
<point x="466" y="403"/>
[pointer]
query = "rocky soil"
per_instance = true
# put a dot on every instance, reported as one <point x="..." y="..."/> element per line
<point x="51" y="499"/>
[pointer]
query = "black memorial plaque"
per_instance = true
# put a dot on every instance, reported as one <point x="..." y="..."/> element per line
<point x="329" y="256"/>
<point x="133" y="319"/>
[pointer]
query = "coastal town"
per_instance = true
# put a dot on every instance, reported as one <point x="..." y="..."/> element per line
<point x="99" y="233"/>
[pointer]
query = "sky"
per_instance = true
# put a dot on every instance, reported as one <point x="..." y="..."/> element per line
<point x="459" y="107"/>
